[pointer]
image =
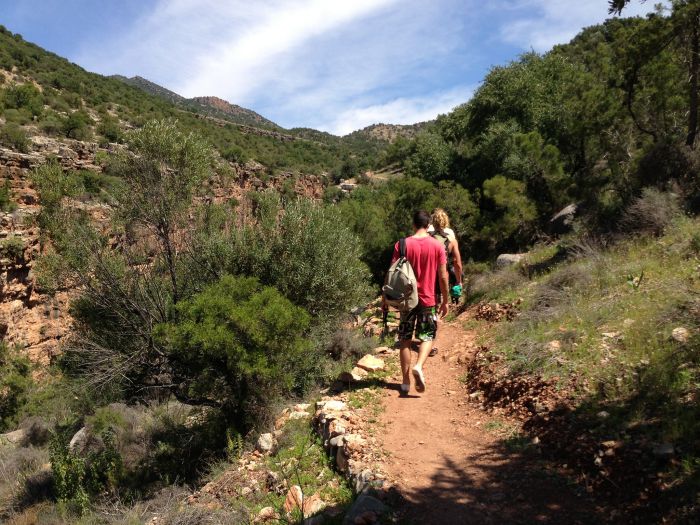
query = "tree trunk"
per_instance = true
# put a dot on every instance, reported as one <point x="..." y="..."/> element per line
<point x="694" y="66"/>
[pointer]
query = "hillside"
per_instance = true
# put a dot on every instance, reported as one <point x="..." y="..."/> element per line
<point x="390" y="132"/>
<point x="103" y="108"/>
<point x="217" y="107"/>
<point x="152" y="88"/>
<point x="212" y="106"/>
<point x="596" y="354"/>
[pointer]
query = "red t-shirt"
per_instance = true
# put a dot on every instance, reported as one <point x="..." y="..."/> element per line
<point x="425" y="255"/>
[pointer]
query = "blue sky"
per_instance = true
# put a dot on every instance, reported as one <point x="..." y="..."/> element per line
<point x="334" y="65"/>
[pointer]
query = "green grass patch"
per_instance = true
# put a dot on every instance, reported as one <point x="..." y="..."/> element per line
<point x="625" y="322"/>
<point x="300" y="460"/>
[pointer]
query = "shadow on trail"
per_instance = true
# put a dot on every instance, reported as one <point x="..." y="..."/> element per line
<point x="499" y="487"/>
<point x="507" y="483"/>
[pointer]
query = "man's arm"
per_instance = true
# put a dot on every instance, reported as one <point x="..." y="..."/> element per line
<point x="442" y="272"/>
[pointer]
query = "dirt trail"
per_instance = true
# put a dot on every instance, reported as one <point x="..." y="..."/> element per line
<point x="450" y="463"/>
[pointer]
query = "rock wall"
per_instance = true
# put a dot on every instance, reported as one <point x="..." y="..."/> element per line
<point x="30" y="319"/>
<point x="34" y="320"/>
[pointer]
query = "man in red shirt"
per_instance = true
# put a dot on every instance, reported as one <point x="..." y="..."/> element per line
<point x="427" y="257"/>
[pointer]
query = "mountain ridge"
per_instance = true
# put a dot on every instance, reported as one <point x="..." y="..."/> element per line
<point x="208" y="105"/>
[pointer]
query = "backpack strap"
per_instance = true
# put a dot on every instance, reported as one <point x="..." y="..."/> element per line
<point x="442" y="234"/>
<point x="402" y="247"/>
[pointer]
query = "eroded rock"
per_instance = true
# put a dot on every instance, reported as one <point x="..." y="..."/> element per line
<point x="371" y="363"/>
<point x="266" y="443"/>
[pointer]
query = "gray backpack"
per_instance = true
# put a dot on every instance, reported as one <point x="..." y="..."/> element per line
<point x="401" y="288"/>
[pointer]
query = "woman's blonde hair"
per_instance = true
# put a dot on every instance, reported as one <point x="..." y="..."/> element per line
<point x="440" y="219"/>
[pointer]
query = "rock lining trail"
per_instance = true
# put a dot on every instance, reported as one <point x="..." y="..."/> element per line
<point x="450" y="465"/>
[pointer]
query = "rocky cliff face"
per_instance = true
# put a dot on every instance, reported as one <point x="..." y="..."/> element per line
<point x="218" y="107"/>
<point x="35" y="320"/>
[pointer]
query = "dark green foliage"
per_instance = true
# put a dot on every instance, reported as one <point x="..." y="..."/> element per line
<point x="238" y="343"/>
<point x="510" y="213"/>
<point x="379" y="217"/>
<point x="346" y="170"/>
<point x="77" y="126"/>
<point x="432" y="158"/>
<point x="23" y="96"/>
<point x="13" y="136"/>
<point x="15" y="382"/>
<point x="12" y="247"/>
<point x="109" y="128"/>
<point x="234" y="154"/>
<point x="6" y="202"/>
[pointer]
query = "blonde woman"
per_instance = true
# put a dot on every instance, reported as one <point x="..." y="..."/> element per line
<point x="441" y="231"/>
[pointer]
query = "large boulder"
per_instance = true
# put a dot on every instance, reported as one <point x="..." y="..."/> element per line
<point x="15" y="437"/>
<point x="508" y="259"/>
<point x="80" y="441"/>
<point x="266" y="443"/>
<point x="355" y="375"/>
<point x="371" y="363"/>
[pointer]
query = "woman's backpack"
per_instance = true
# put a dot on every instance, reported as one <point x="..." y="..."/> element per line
<point x="443" y="239"/>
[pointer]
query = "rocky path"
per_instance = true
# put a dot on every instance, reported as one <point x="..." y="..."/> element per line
<point x="454" y="464"/>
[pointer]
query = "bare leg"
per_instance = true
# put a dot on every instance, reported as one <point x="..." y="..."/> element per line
<point x="437" y="335"/>
<point x="405" y="354"/>
<point x="423" y="351"/>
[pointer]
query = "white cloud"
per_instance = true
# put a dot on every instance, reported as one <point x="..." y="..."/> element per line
<point x="336" y="65"/>
<point x="541" y="24"/>
<point x="243" y="60"/>
<point x="398" y="111"/>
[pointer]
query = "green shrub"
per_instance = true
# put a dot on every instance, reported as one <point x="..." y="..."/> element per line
<point x="109" y="128"/>
<point x="6" y="202"/>
<point x="238" y="343"/>
<point x="24" y="96"/>
<point x="15" y="383"/>
<point x="13" y="136"/>
<point x="77" y="477"/>
<point x="53" y="185"/>
<point x="234" y="154"/>
<point x="51" y="124"/>
<point x="432" y="158"/>
<point x="12" y="247"/>
<point x="322" y="271"/>
<point x="19" y="117"/>
<point x="77" y="126"/>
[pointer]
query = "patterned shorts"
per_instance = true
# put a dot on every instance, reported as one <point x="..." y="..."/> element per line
<point x="422" y="320"/>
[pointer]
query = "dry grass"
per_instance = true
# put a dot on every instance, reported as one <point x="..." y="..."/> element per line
<point x="651" y="213"/>
<point x="21" y="478"/>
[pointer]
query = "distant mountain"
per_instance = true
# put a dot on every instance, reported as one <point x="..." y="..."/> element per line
<point x="217" y="107"/>
<point x="152" y="88"/>
<point x="210" y="106"/>
<point x="390" y="132"/>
